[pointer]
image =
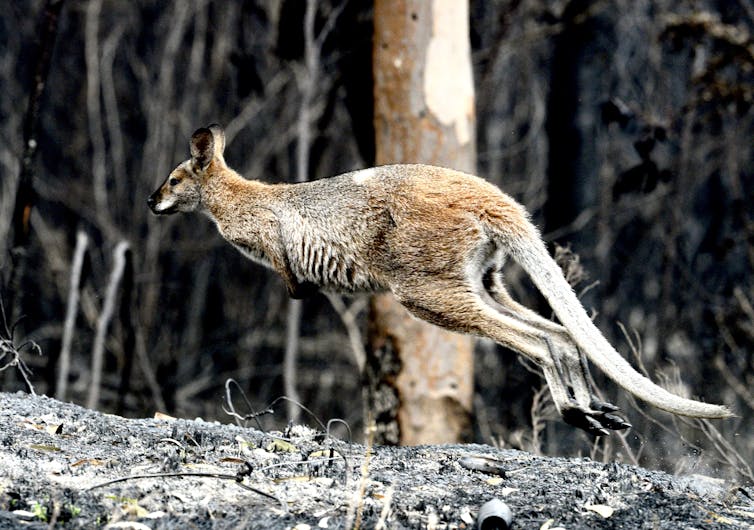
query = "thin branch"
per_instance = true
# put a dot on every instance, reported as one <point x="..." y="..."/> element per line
<point x="94" y="108"/>
<point x="342" y="422"/>
<point x="196" y="308"/>
<point x="332" y="18"/>
<point x="127" y="318"/>
<point x="348" y="317"/>
<point x="231" y="410"/>
<point x="387" y="499"/>
<point x="9" y="349"/>
<point x="356" y="506"/>
<point x="254" y="106"/>
<point x="148" y="371"/>
<point x="292" y="338"/>
<point x="307" y="87"/>
<point x="300" y="406"/>
<point x="158" y="89"/>
<point x="307" y="81"/>
<point x="74" y="293"/>
<point x="98" y="350"/>
<point x="224" y="476"/>
<point x="193" y="105"/>
<point x="727" y="452"/>
<point x="112" y="114"/>
<point x="742" y="390"/>
<point x="542" y="409"/>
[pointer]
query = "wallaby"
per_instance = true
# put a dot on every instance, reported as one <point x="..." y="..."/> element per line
<point x="434" y="237"/>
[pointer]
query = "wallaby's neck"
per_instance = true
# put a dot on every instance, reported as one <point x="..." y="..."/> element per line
<point x="225" y="194"/>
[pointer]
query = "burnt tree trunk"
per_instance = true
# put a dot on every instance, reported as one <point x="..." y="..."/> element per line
<point x="420" y="378"/>
<point x="25" y="196"/>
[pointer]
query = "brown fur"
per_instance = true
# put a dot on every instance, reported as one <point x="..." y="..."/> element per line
<point x="437" y="239"/>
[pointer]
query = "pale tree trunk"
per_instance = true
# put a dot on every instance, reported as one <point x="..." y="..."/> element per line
<point x="64" y="363"/>
<point x="103" y="323"/>
<point x="420" y="378"/>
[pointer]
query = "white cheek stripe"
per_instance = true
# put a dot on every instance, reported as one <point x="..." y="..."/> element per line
<point x="164" y="205"/>
<point x="360" y="177"/>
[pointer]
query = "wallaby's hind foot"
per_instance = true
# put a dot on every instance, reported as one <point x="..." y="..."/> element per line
<point x="569" y="379"/>
<point x="598" y="423"/>
<point x="583" y="408"/>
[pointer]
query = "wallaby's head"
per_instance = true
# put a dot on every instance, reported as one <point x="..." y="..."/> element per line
<point x="181" y="191"/>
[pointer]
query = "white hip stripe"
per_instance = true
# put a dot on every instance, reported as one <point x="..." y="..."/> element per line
<point x="360" y="177"/>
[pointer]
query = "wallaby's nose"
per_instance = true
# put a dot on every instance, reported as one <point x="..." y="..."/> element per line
<point x="151" y="202"/>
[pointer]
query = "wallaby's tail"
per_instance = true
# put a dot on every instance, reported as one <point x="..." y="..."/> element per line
<point x="532" y="255"/>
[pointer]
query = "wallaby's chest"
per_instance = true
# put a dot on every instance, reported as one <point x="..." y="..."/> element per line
<point x="330" y="250"/>
<point x="333" y="266"/>
<point x="254" y="253"/>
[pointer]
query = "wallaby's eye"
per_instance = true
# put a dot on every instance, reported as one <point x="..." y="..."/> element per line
<point x="173" y="181"/>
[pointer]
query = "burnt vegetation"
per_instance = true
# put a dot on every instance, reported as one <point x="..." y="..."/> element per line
<point x="625" y="127"/>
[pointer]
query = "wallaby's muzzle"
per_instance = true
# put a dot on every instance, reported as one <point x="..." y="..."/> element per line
<point x="154" y="201"/>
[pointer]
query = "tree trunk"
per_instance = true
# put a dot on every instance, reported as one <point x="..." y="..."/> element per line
<point x="25" y="196"/>
<point x="420" y="378"/>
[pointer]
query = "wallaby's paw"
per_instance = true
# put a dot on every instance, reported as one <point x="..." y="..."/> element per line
<point x="602" y="406"/>
<point x="595" y="422"/>
<point x="614" y="422"/>
<point x="582" y="420"/>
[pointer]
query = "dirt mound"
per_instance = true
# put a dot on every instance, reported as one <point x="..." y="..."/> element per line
<point x="57" y="461"/>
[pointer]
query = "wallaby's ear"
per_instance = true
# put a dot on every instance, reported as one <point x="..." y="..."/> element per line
<point x="202" y="147"/>
<point x="219" y="135"/>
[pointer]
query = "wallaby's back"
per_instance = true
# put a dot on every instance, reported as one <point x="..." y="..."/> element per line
<point x="362" y="231"/>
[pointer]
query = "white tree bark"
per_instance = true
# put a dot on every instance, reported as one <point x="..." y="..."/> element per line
<point x="74" y="293"/>
<point x="108" y="308"/>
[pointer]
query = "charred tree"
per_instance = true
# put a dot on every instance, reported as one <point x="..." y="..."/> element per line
<point x="48" y="30"/>
<point x="420" y="378"/>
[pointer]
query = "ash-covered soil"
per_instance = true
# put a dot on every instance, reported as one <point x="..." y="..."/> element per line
<point x="56" y="458"/>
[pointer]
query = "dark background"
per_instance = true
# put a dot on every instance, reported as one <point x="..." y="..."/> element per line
<point x="624" y="126"/>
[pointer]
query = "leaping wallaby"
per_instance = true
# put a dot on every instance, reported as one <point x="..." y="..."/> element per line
<point x="437" y="239"/>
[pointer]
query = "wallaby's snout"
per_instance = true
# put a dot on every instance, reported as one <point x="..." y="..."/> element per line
<point x="179" y="193"/>
<point x="152" y="202"/>
<point x="158" y="204"/>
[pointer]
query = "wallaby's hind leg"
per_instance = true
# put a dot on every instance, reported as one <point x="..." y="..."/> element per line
<point x="456" y="308"/>
<point x="585" y="409"/>
<point x="577" y="376"/>
<point x="469" y="309"/>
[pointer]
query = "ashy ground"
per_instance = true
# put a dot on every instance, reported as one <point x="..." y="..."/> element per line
<point x="64" y="466"/>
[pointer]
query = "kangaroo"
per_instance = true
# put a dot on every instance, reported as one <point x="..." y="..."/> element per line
<point x="434" y="237"/>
